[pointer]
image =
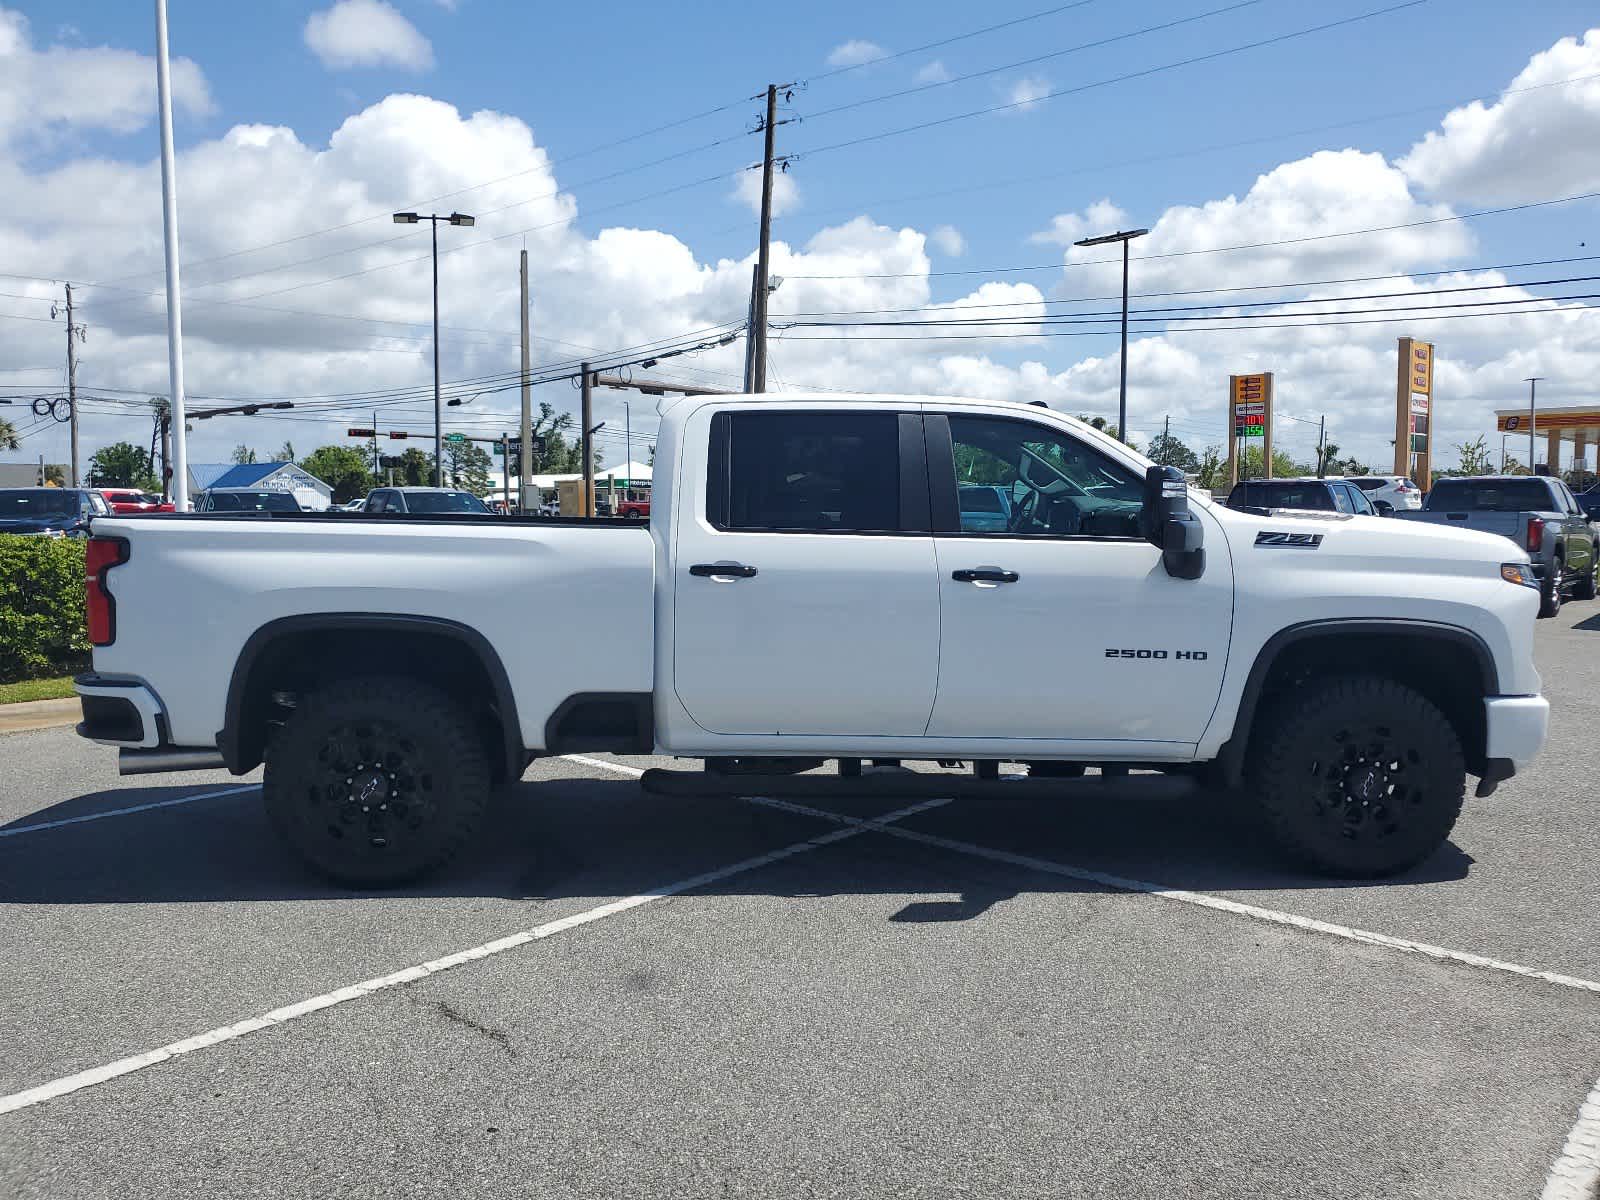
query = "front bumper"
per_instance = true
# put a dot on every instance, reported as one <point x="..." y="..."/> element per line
<point x="1516" y="727"/>
<point x="120" y="712"/>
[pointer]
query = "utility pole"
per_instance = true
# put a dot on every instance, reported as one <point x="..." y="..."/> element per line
<point x="1502" y="454"/>
<point x="1166" y="438"/>
<point x="525" y="476"/>
<point x="376" y="467"/>
<point x="1124" y="237"/>
<point x="587" y="508"/>
<point x="1322" y="441"/>
<point x="74" y="335"/>
<point x="1533" y="417"/>
<point x="764" y="254"/>
<point x="627" y="436"/>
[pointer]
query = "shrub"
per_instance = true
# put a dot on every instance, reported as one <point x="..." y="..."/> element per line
<point x="42" y="629"/>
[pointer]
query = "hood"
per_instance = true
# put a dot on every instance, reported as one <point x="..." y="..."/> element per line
<point x="1421" y="546"/>
<point x="42" y="521"/>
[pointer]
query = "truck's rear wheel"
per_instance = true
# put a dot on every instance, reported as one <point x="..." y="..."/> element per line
<point x="1358" y="776"/>
<point x="1550" y="590"/>
<point x="1589" y="585"/>
<point x="376" y="781"/>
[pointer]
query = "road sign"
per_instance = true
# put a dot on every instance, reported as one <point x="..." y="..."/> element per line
<point x="390" y="462"/>
<point x="455" y="437"/>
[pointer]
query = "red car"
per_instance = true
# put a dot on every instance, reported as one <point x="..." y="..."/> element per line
<point x="638" y="509"/>
<point x="132" y="500"/>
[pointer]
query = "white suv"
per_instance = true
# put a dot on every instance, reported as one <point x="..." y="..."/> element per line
<point x="1388" y="493"/>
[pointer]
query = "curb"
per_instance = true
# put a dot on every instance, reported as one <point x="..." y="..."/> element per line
<point x="39" y="714"/>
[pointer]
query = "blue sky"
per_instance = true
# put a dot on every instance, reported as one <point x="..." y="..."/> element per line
<point x="1167" y="150"/>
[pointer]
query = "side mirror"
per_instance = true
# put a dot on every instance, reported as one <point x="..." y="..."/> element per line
<point x="1166" y="522"/>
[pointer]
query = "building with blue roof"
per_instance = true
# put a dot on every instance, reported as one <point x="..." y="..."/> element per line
<point x="306" y="488"/>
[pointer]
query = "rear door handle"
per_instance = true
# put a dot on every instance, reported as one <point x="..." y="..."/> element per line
<point x="723" y="570"/>
<point x="985" y="575"/>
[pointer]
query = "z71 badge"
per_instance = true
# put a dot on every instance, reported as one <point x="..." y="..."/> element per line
<point x="1300" y="541"/>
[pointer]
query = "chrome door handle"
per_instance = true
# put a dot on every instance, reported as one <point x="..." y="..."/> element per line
<point x="985" y="575"/>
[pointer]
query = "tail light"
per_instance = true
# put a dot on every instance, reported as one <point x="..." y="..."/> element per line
<point x="101" y="554"/>
<point x="1535" y="534"/>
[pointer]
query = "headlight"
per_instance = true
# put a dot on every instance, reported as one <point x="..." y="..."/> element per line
<point x="1519" y="573"/>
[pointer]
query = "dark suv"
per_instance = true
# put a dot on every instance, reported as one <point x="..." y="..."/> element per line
<point x="1306" y="495"/>
<point x="50" y="512"/>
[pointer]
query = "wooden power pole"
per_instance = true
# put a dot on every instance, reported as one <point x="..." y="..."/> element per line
<point x="764" y="253"/>
<point x="588" y="441"/>
<point x="525" y="476"/>
<point x="73" y="334"/>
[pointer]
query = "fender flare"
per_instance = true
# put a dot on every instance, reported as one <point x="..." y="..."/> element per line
<point x="1231" y="756"/>
<point x="231" y="742"/>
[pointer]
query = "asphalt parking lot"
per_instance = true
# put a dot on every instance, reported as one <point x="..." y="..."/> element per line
<point x="1117" y="993"/>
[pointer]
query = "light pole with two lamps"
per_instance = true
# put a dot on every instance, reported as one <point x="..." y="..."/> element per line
<point x="1122" y="390"/>
<point x="455" y="218"/>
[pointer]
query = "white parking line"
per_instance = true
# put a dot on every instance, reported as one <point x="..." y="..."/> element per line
<point x="18" y="831"/>
<point x="280" y="1016"/>
<point x="1576" y="1174"/>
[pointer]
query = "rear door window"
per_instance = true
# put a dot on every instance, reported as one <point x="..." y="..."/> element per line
<point x="805" y="472"/>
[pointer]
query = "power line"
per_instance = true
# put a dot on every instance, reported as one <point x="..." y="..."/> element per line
<point x="1084" y="87"/>
<point x="1315" y="237"/>
<point x="1029" y="62"/>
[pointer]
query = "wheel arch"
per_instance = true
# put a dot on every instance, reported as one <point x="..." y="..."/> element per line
<point x="1450" y="665"/>
<point x="317" y="646"/>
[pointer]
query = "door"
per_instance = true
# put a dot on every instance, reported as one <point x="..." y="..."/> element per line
<point x="1065" y="625"/>
<point x="804" y="594"/>
<point x="1579" y="535"/>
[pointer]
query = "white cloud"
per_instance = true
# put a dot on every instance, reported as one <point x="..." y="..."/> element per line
<point x="934" y="72"/>
<point x="854" y="53"/>
<point x="366" y="33"/>
<point x="1027" y="92"/>
<point x="785" y="192"/>
<point x="948" y="240"/>
<point x="1100" y="217"/>
<point x="61" y="88"/>
<point x="1528" y="145"/>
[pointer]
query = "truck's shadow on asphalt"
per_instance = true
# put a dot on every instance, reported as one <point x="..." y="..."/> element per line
<point x="572" y="838"/>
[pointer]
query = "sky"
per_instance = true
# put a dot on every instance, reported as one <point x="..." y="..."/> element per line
<point x="942" y="157"/>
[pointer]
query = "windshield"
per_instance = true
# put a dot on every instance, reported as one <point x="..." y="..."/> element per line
<point x="1312" y="496"/>
<point x="444" y="502"/>
<point x="37" y="502"/>
<point x="1491" y="495"/>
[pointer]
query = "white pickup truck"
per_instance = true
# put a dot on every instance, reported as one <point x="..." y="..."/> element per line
<point x="826" y="578"/>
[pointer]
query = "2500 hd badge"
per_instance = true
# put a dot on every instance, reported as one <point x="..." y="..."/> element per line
<point x="1180" y="655"/>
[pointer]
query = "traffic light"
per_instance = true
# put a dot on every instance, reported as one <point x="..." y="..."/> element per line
<point x="362" y="432"/>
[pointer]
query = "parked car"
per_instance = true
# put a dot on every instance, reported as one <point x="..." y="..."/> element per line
<point x="1538" y="513"/>
<point x="133" y="500"/>
<point x="984" y="508"/>
<point x="50" y="512"/>
<point x="401" y="500"/>
<point x="638" y="510"/>
<point x="246" y="500"/>
<point x="1590" y="503"/>
<point x="812" y="594"/>
<point x="1388" y="493"/>
<point x="1303" y="495"/>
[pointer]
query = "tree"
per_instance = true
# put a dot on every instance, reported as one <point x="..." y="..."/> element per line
<point x="122" y="464"/>
<point x="1475" y="456"/>
<point x="1209" y="474"/>
<point x="1283" y="467"/>
<point x="1170" y="452"/>
<point x="55" y="473"/>
<point x="415" y="469"/>
<point x="243" y="455"/>
<point x="286" y="454"/>
<point x="1513" y="467"/>
<point x="343" y="468"/>
<point x="467" y="466"/>
<point x="8" y="436"/>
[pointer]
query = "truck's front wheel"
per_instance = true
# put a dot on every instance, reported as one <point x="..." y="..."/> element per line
<point x="376" y="781"/>
<point x="1358" y="776"/>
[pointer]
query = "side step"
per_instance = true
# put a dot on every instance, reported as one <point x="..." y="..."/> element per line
<point x="908" y="785"/>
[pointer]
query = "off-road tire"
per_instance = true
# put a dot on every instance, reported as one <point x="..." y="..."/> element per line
<point x="376" y="781"/>
<point x="1357" y="776"/>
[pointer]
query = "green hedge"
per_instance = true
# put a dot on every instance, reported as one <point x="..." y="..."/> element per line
<point x="42" y="630"/>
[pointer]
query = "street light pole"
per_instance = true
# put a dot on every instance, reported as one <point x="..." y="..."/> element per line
<point x="455" y="218"/>
<point x="1533" y="417"/>
<point x="1124" y="236"/>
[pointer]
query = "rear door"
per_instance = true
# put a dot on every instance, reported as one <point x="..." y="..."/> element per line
<point x="1064" y="626"/>
<point x="804" y="595"/>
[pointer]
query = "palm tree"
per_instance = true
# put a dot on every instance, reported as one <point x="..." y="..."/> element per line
<point x="8" y="436"/>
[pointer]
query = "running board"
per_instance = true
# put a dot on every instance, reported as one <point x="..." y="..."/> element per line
<point x="899" y="785"/>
